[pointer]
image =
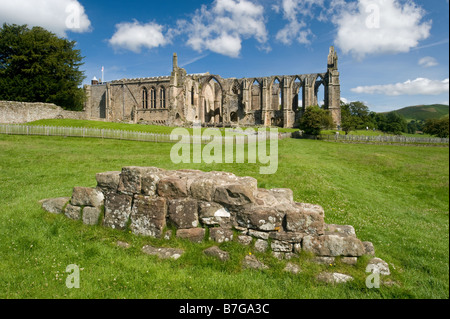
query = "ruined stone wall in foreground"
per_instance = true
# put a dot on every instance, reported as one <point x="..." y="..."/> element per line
<point x="215" y="206"/>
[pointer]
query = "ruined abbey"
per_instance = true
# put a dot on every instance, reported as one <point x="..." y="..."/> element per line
<point x="183" y="99"/>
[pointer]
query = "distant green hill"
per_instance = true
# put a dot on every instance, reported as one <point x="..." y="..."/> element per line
<point x="424" y="112"/>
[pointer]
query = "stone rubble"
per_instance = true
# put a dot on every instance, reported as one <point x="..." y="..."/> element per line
<point x="215" y="206"/>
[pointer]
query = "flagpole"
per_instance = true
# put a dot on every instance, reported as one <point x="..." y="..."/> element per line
<point x="103" y="77"/>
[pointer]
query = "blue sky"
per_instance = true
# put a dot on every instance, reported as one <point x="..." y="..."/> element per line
<point x="392" y="53"/>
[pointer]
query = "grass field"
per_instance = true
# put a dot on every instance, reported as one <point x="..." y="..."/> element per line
<point x="396" y="197"/>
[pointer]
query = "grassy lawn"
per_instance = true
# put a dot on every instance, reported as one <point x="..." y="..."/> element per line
<point x="396" y="197"/>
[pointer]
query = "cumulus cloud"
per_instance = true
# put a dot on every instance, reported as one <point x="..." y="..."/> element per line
<point x="135" y="36"/>
<point x="222" y="27"/>
<point x="419" y="86"/>
<point x="296" y="12"/>
<point x="380" y="27"/>
<point x="428" y="62"/>
<point x="58" y="16"/>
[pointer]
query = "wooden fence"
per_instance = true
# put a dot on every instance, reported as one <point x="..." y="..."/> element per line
<point x="385" y="139"/>
<point x="85" y="132"/>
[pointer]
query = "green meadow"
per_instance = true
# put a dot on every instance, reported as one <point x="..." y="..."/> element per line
<point x="395" y="196"/>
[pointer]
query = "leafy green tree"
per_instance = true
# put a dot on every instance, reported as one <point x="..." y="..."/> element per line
<point x="356" y="116"/>
<point x="439" y="128"/>
<point x="395" y="123"/>
<point x="315" y="119"/>
<point x="37" y="66"/>
<point x="412" y="127"/>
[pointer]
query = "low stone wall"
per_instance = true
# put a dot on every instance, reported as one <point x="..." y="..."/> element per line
<point x="144" y="200"/>
<point x="24" y="112"/>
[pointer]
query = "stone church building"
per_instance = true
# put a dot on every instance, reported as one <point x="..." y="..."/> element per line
<point x="182" y="99"/>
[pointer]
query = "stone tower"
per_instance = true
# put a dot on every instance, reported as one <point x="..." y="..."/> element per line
<point x="333" y="90"/>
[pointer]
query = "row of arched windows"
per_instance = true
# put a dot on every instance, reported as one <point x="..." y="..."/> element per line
<point x="150" y="101"/>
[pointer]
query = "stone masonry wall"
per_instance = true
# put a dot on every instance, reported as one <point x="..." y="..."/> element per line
<point x="23" y="112"/>
<point x="144" y="200"/>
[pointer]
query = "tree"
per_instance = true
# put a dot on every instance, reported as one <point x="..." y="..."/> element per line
<point x="315" y="119"/>
<point x="355" y="116"/>
<point x="439" y="128"/>
<point x="412" y="127"/>
<point x="395" y="123"/>
<point x="37" y="66"/>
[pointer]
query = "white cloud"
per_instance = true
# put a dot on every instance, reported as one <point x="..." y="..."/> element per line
<point x="134" y="36"/>
<point x="224" y="26"/>
<point x="58" y="16"/>
<point x="428" y="61"/>
<point x="296" y="12"/>
<point x="380" y="27"/>
<point x="419" y="86"/>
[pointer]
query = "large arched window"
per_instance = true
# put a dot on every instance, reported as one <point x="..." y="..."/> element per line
<point x="153" y="98"/>
<point x="144" y="98"/>
<point x="277" y="95"/>
<point x="162" y="98"/>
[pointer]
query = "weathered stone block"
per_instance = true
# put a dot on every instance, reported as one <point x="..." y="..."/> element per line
<point x="283" y="195"/>
<point x="260" y="218"/>
<point x="117" y="211"/>
<point x="334" y="278"/>
<point x="346" y="230"/>
<point x="333" y="245"/>
<point x="220" y="235"/>
<point x="234" y="195"/>
<point x="91" y="215"/>
<point x="259" y="234"/>
<point x="73" y="212"/>
<point x="172" y="187"/>
<point x="310" y="223"/>
<point x="377" y="265"/>
<point x="183" y="213"/>
<point x="369" y="249"/>
<point x="54" y="205"/>
<point x="84" y="196"/>
<point x="149" y="183"/>
<point x="261" y="245"/>
<point x="163" y="253"/>
<point x="281" y="246"/>
<point x="131" y="179"/>
<point x="217" y="253"/>
<point x="196" y="235"/>
<point x="212" y="214"/>
<point x="264" y="197"/>
<point x="251" y="262"/>
<point x="108" y="182"/>
<point x="148" y="216"/>
<point x="291" y="237"/>
<point x="203" y="189"/>
<point x="244" y="240"/>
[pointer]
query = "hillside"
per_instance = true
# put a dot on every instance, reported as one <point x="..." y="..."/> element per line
<point x="424" y="112"/>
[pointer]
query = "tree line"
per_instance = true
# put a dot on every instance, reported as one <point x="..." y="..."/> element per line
<point x="357" y="116"/>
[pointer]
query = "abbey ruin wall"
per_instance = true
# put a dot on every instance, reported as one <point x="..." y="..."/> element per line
<point x="181" y="98"/>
